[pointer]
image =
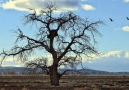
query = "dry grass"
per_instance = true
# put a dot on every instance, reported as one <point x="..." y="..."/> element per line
<point x="40" y="82"/>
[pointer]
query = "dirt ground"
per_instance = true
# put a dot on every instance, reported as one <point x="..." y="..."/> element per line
<point x="71" y="82"/>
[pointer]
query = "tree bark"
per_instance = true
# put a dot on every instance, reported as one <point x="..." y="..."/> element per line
<point x="54" y="75"/>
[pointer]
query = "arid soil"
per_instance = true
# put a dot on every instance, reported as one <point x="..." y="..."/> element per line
<point x="71" y="82"/>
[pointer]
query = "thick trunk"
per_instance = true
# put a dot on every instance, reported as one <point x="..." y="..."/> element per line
<point x="54" y="76"/>
<point x="53" y="72"/>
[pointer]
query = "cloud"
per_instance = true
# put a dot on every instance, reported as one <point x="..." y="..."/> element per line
<point x="126" y="1"/>
<point x="111" y="55"/>
<point x="88" y="7"/>
<point x="23" y="5"/>
<point x="127" y="55"/>
<point x="116" y="60"/>
<point x="83" y="0"/>
<point x="113" y="61"/>
<point x="125" y="28"/>
<point x="114" y="54"/>
<point x="62" y="5"/>
<point x="12" y="63"/>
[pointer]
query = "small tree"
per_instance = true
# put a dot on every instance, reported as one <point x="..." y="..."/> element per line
<point x="65" y="37"/>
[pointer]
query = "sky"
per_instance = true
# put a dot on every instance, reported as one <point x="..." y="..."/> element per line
<point x="113" y="43"/>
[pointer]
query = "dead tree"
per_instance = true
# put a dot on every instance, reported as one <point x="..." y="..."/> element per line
<point x="66" y="37"/>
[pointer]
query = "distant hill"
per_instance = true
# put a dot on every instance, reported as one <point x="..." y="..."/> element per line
<point x="19" y="70"/>
<point x="11" y="69"/>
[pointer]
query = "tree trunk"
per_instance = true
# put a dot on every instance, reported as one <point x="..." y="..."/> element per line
<point x="54" y="76"/>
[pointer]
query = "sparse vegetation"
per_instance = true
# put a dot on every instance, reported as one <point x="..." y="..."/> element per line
<point x="89" y="82"/>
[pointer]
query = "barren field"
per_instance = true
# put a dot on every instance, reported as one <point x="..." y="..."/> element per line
<point x="73" y="82"/>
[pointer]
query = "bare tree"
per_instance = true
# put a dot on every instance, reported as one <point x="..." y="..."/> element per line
<point x="39" y="63"/>
<point x="66" y="37"/>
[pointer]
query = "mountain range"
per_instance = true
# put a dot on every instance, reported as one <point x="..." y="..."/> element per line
<point x="20" y="70"/>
